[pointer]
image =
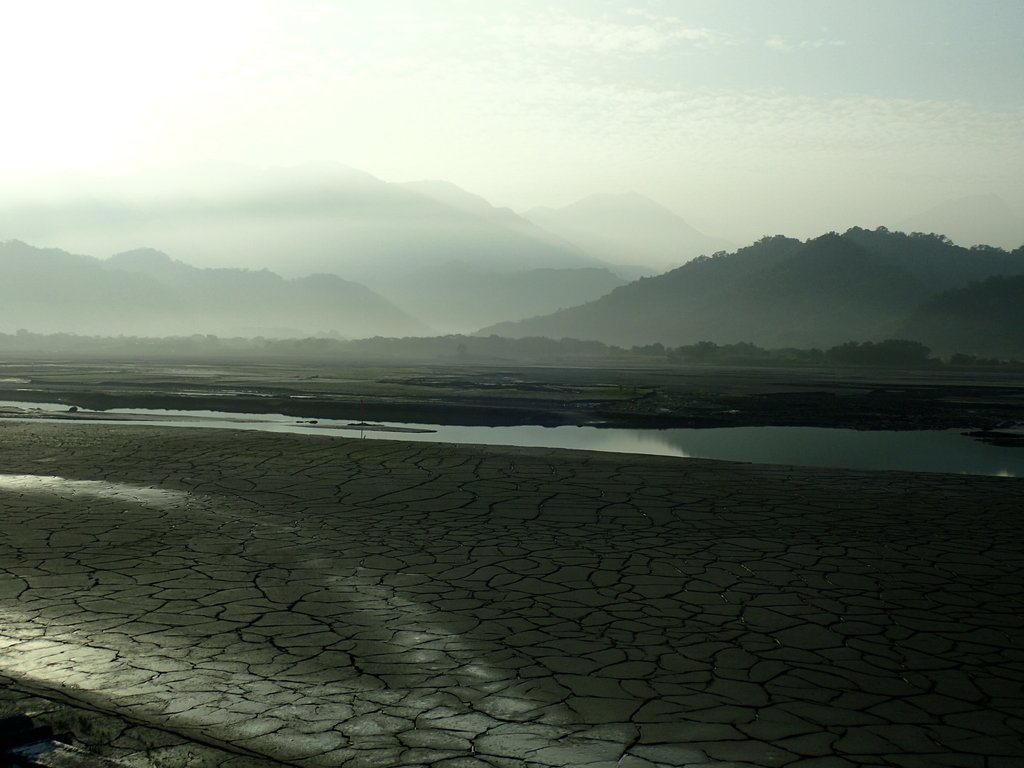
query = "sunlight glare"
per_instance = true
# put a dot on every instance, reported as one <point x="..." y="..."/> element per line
<point x="93" y="86"/>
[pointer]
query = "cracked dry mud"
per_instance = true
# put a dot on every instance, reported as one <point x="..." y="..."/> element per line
<point x="225" y="599"/>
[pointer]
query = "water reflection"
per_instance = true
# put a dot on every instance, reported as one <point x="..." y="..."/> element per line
<point x="916" y="451"/>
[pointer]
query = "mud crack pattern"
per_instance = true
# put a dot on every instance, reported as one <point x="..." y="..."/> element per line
<point x="304" y="601"/>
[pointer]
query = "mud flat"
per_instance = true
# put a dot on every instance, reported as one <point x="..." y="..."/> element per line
<point x="208" y="597"/>
<point x="510" y="394"/>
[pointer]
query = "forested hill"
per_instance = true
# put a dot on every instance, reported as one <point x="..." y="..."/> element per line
<point x="984" y="318"/>
<point x="781" y="292"/>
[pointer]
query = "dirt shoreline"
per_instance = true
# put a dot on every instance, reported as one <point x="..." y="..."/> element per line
<point x="547" y="396"/>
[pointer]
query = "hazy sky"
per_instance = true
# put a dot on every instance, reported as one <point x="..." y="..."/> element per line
<point x="745" y="116"/>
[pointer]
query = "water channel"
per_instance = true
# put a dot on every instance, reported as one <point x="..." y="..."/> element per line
<point x="917" y="451"/>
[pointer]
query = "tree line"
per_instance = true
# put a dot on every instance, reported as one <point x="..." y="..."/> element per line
<point x="480" y="349"/>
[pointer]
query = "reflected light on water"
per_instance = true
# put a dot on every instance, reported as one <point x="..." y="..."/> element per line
<point x="911" y="450"/>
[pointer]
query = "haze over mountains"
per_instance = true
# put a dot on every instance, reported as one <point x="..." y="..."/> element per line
<point x="352" y="255"/>
<point x="146" y="293"/>
<point x="458" y="297"/>
<point x="779" y="292"/>
<point x="628" y="229"/>
<point x="447" y="256"/>
<point x="295" y="221"/>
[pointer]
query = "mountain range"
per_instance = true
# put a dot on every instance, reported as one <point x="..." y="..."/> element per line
<point x="293" y="221"/>
<point x="337" y="219"/>
<point x="146" y="293"/>
<point x="455" y="263"/>
<point x="447" y="256"/>
<point x="778" y="292"/>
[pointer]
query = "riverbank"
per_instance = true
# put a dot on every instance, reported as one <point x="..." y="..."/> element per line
<point x="496" y="395"/>
<point x="316" y="601"/>
<point x="980" y="452"/>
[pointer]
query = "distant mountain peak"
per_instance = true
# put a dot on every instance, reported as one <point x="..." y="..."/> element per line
<point x="142" y="255"/>
<point x="627" y="228"/>
<point x="145" y="260"/>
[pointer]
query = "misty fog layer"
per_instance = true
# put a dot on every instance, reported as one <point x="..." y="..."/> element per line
<point x="332" y="251"/>
<point x="293" y="221"/>
<point x="146" y="293"/>
<point x="449" y="258"/>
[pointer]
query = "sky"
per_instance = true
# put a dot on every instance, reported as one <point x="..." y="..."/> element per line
<point x="746" y="117"/>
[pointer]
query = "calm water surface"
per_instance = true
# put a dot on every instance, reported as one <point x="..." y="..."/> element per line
<point x="918" y="451"/>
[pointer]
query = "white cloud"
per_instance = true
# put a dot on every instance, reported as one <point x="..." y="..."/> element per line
<point x="779" y="43"/>
<point x="643" y="34"/>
